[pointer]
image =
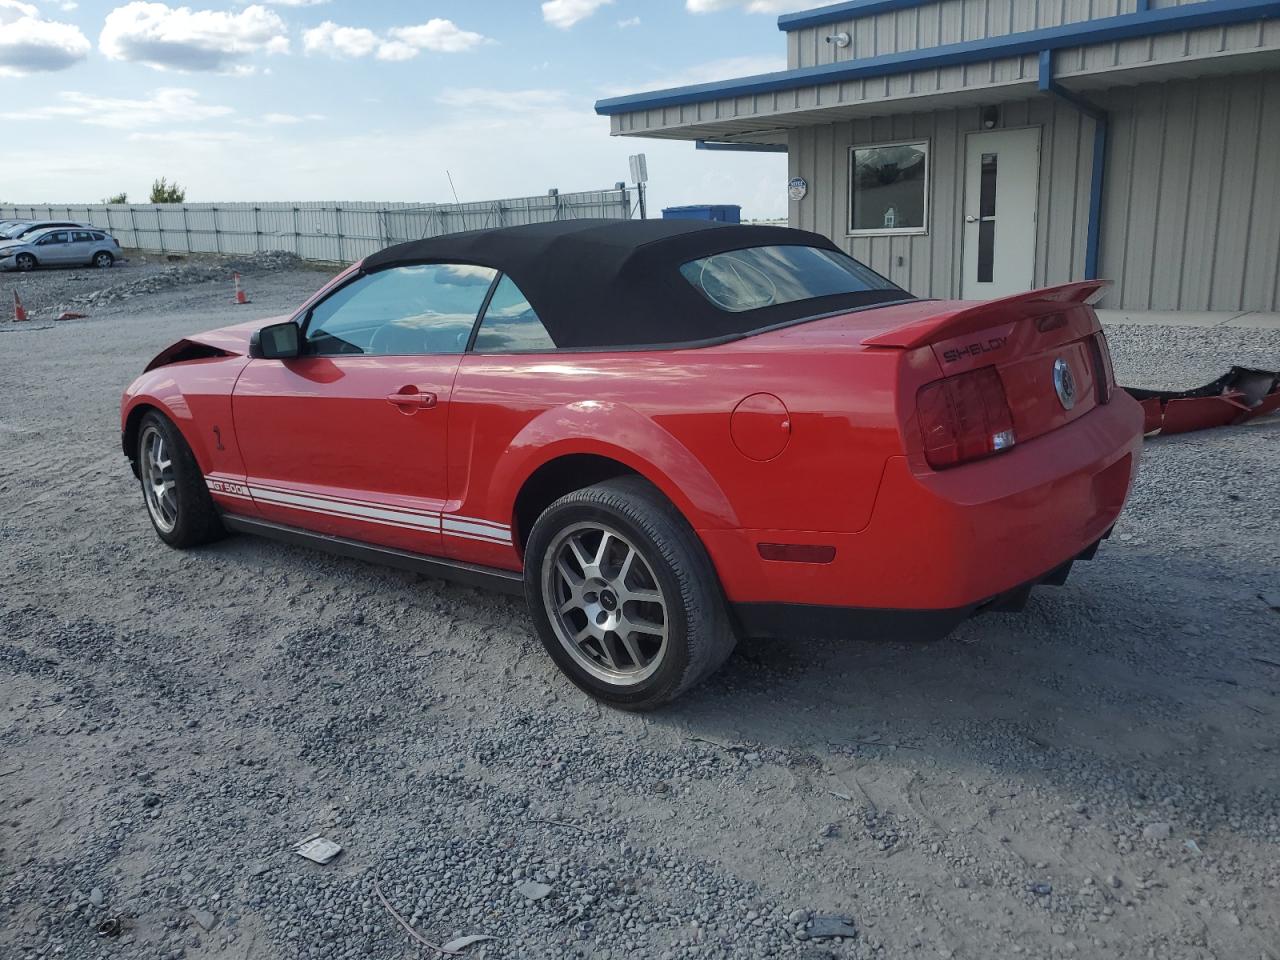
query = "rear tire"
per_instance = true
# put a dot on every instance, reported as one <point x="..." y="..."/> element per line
<point x="103" y="259"/>
<point x="173" y="487"/>
<point x="624" y="596"/>
<point x="25" y="262"/>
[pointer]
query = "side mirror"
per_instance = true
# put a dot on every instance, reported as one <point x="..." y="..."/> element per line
<point x="280" y="341"/>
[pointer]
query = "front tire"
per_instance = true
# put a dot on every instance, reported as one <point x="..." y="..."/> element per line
<point x="624" y="596"/>
<point x="25" y="262"/>
<point x="103" y="259"/>
<point x="173" y="487"/>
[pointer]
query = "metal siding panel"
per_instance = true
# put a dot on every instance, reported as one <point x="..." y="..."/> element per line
<point x="1199" y="251"/>
<point x="1261" y="284"/>
<point x="824" y="174"/>
<point x="1169" y="224"/>
<point x="945" y="214"/>
<point x="1237" y="203"/>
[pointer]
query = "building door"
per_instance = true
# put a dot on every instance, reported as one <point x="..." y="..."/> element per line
<point x="1001" y="188"/>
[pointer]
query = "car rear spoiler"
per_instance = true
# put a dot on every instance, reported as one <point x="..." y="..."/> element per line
<point x="985" y="314"/>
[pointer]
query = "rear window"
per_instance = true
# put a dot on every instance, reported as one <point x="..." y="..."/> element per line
<point x="758" y="277"/>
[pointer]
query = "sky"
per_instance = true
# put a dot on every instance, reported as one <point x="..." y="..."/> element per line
<point x="298" y="100"/>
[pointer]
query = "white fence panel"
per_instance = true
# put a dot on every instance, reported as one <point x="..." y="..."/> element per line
<point x="329" y="231"/>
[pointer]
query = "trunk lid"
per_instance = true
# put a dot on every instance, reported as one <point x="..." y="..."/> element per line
<point x="1046" y="346"/>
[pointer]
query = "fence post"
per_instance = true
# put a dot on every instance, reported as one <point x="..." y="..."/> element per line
<point x="217" y="233"/>
<point x="160" y="226"/>
<point x="297" y="237"/>
<point x="257" y="232"/>
<point x="337" y="219"/>
<point x="133" y="225"/>
<point x="186" y="230"/>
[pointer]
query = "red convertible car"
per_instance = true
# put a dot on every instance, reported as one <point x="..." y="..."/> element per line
<point x="664" y="434"/>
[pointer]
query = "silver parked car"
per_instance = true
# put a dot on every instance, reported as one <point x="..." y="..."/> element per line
<point x="18" y="229"/>
<point x="54" y="247"/>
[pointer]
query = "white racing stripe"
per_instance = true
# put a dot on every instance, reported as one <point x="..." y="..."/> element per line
<point x="406" y="518"/>
<point x="338" y="508"/>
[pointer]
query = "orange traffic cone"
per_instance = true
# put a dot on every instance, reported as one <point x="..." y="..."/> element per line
<point x="240" y="297"/>
<point x="18" y="312"/>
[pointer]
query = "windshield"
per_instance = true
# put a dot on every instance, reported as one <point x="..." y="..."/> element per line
<point x="757" y="277"/>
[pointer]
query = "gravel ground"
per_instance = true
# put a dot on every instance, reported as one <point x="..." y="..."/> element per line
<point x="1094" y="777"/>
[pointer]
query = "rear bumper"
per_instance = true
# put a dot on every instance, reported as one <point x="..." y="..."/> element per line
<point x="946" y="542"/>
<point x="783" y="620"/>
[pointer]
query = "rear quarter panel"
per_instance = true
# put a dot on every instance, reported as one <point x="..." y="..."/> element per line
<point x="667" y="415"/>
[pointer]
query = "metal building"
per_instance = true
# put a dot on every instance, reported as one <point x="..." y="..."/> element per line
<point x="972" y="148"/>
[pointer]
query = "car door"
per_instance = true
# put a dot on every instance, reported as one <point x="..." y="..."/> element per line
<point x="54" y="248"/>
<point x="349" y="439"/>
<point x="81" y="248"/>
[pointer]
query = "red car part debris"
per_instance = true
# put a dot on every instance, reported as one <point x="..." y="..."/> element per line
<point x="1241" y="394"/>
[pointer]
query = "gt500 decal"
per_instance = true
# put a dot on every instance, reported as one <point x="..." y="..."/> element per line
<point x="228" y="487"/>
<point x="974" y="349"/>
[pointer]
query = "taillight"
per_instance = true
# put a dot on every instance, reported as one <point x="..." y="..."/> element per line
<point x="964" y="418"/>
<point x="1103" y="375"/>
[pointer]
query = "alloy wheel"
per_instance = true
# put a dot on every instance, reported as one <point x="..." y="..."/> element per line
<point x="605" y="605"/>
<point x="159" y="483"/>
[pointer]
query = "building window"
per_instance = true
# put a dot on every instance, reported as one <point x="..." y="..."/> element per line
<point x="889" y="188"/>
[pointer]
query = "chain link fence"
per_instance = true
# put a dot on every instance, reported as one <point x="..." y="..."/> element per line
<point x="329" y="231"/>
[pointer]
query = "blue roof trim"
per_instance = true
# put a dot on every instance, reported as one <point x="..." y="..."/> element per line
<point x="1210" y="13"/>
<point x="835" y="12"/>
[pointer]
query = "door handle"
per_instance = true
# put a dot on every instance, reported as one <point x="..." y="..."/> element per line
<point x="411" y="397"/>
<point x="970" y="219"/>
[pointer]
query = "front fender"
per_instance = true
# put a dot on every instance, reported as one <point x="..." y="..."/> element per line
<point x="196" y="396"/>
<point x="636" y="441"/>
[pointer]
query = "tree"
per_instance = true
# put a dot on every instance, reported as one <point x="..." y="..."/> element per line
<point x="162" y="191"/>
<point x="120" y="197"/>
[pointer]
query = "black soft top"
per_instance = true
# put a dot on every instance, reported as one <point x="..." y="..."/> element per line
<point x="615" y="283"/>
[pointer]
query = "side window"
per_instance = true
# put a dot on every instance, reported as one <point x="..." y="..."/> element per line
<point x="52" y="238"/>
<point x="510" y="323"/>
<point x="82" y="236"/>
<point x="403" y="311"/>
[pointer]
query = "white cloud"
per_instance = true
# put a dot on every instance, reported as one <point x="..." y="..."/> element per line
<point x="189" y="138"/>
<point x="165" y="105"/>
<point x="282" y="119"/>
<point x="440" y="36"/>
<point x="339" y="41"/>
<point x="479" y="98"/>
<point x="707" y="72"/>
<point x="751" y="6"/>
<point x="399" y="43"/>
<point x="629" y="22"/>
<point x="179" y="38"/>
<point x="565" y="13"/>
<point x="31" y="44"/>
<point x="294" y="3"/>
